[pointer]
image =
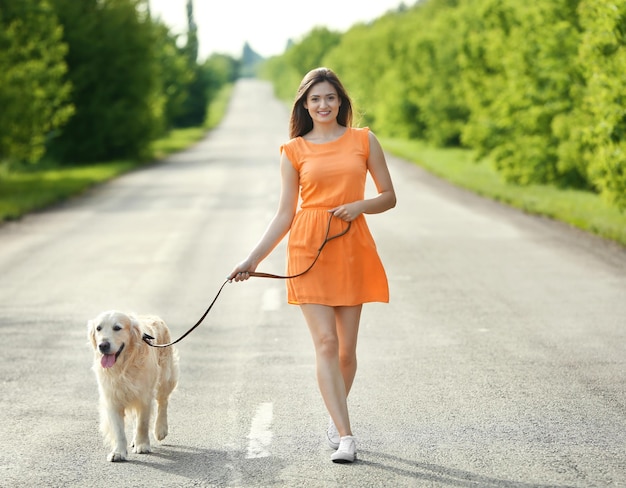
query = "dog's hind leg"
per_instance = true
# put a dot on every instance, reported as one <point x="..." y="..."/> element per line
<point x="160" y="425"/>
<point x="112" y="426"/>
<point x="167" y="383"/>
<point x="142" y="428"/>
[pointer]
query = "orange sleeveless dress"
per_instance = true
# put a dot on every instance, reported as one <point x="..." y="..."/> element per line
<point x="349" y="270"/>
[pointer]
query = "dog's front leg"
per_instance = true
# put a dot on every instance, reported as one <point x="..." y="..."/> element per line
<point x="113" y="429"/>
<point x="142" y="435"/>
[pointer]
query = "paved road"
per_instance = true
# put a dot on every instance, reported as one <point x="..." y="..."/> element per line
<point x="500" y="361"/>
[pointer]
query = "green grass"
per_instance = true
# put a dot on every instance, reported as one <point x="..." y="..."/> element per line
<point x="218" y="107"/>
<point x="176" y="140"/>
<point x="582" y="209"/>
<point x="28" y="189"/>
<point x="25" y="191"/>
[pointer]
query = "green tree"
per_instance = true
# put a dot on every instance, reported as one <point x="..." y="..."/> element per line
<point x="222" y="70"/>
<point x="517" y="73"/>
<point x="431" y="70"/>
<point x="117" y="90"/>
<point x="195" y="104"/>
<point x="33" y="93"/>
<point x="602" y="56"/>
<point x="174" y="74"/>
<point x="308" y="53"/>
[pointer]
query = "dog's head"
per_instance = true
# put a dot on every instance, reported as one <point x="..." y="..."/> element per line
<point x="111" y="334"/>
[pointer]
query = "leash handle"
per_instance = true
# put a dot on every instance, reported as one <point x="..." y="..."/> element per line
<point x="147" y="338"/>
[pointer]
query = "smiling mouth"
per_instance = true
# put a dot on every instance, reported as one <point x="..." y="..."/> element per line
<point x="108" y="360"/>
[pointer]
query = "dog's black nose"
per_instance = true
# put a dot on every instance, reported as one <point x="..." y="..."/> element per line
<point x="104" y="347"/>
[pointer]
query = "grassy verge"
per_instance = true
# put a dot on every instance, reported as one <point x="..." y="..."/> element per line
<point x="179" y="139"/>
<point x="30" y="189"/>
<point x="581" y="209"/>
<point x="25" y="191"/>
<point x="218" y="107"/>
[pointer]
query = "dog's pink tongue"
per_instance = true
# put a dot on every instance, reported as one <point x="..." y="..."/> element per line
<point x="107" y="360"/>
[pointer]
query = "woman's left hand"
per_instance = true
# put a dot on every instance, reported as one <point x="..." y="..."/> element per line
<point x="347" y="212"/>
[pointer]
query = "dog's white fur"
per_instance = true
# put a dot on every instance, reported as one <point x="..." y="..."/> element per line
<point x="131" y="377"/>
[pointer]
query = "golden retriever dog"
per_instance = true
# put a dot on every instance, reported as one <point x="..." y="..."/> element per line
<point x="131" y="376"/>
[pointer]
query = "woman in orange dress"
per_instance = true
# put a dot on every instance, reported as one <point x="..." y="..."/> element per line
<point x="324" y="166"/>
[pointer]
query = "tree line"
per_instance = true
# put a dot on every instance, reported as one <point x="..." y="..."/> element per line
<point x="97" y="80"/>
<point x="537" y="87"/>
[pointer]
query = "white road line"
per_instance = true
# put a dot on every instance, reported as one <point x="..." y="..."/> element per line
<point x="260" y="436"/>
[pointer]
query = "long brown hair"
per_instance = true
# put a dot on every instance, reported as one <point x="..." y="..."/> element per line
<point x="301" y="122"/>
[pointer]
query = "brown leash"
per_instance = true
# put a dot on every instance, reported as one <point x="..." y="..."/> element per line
<point x="148" y="338"/>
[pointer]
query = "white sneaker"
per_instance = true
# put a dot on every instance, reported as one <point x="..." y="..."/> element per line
<point x="332" y="434"/>
<point x="346" y="453"/>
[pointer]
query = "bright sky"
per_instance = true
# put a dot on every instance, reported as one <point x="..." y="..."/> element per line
<point x="224" y="26"/>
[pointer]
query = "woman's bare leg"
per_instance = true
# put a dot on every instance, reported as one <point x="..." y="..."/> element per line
<point x="348" y="319"/>
<point x="334" y="330"/>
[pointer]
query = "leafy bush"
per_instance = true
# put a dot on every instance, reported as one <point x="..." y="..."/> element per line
<point x="34" y="95"/>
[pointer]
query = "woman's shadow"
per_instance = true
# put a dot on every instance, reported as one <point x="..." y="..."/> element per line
<point x="433" y="473"/>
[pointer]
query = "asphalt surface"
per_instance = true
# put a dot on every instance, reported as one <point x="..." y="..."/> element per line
<point x="499" y="362"/>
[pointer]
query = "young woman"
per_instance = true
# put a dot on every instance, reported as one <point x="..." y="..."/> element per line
<point x="326" y="163"/>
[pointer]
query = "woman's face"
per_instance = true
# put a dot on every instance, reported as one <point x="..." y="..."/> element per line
<point x="323" y="102"/>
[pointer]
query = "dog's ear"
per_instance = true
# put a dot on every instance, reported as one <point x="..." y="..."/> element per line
<point x="136" y="333"/>
<point x="135" y="328"/>
<point x="91" y="332"/>
<point x="135" y="348"/>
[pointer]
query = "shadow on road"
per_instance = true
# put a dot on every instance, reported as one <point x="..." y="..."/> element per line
<point x="405" y="468"/>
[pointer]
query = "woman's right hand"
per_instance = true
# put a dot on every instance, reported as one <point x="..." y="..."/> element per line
<point x="242" y="271"/>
